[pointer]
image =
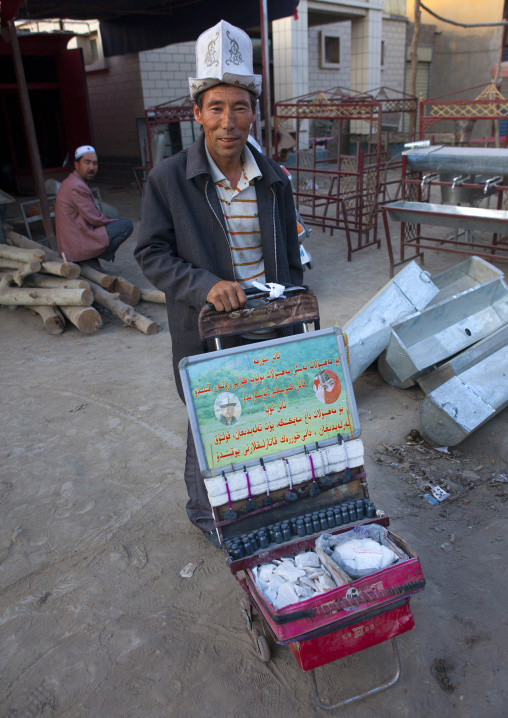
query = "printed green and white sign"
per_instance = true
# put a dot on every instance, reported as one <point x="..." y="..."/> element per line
<point x="268" y="398"/>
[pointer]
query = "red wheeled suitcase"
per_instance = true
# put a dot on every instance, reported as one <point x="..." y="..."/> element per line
<point x="277" y="437"/>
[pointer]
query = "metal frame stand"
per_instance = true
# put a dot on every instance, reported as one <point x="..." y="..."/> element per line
<point x="28" y="219"/>
<point x="348" y="701"/>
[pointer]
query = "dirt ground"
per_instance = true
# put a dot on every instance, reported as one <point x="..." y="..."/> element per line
<point x="95" y="617"/>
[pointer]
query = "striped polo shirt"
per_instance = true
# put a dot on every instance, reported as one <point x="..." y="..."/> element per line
<point x="240" y="210"/>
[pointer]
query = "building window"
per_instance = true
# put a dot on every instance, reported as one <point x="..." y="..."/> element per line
<point x="329" y="51"/>
<point x="91" y="45"/>
<point x="382" y="53"/>
<point x="94" y="50"/>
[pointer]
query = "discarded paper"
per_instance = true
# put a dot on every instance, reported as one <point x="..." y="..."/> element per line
<point x="188" y="571"/>
<point x="439" y="493"/>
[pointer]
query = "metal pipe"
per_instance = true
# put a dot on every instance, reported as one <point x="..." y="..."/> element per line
<point x="485" y="161"/>
<point x="263" y="18"/>
<point x="358" y="696"/>
<point x="35" y="158"/>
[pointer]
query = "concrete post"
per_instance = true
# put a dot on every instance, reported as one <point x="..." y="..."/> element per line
<point x="290" y="40"/>
<point x="366" y="49"/>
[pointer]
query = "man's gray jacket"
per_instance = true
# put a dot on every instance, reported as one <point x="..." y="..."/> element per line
<point x="183" y="248"/>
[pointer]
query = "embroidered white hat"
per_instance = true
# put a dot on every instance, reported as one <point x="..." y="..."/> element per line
<point x="224" y="56"/>
<point x="227" y="400"/>
<point x="83" y="150"/>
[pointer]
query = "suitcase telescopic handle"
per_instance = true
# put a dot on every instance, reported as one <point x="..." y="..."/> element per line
<point x="299" y="307"/>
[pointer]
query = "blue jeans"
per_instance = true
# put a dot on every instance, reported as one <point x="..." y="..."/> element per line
<point x="118" y="231"/>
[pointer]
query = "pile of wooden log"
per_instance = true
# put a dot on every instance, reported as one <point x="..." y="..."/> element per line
<point x="38" y="278"/>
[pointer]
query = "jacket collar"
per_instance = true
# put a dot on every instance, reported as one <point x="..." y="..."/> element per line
<point x="197" y="162"/>
<point x="78" y="177"/>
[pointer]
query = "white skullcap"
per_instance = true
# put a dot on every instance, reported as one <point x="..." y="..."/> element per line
<point x="83" y="150"/>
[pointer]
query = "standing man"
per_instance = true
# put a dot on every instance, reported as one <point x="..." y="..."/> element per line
<point x="83" y="233"/>
<point x="216" y="216"/>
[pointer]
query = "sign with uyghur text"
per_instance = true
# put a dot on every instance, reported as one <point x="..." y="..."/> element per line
<point x="270" y="398"/>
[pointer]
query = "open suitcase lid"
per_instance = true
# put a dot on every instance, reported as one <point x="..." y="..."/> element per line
<point x="269" y="400"/>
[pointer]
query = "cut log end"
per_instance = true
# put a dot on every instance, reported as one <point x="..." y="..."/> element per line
<point x="86" y="319"/>
<point x="103" y="280"/>
<point x="129" y="293"/>
<point x="53" y="321"/>
<point x="62" y="269"/>
<point x="145" y="325"/>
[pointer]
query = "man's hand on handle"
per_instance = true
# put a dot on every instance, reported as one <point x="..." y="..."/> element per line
<point x="226" y="296"/>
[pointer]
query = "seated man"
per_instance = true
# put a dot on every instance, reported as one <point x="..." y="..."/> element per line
<point x="83" y="233"/>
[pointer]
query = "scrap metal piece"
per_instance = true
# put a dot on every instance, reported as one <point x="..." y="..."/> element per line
<point x="465" y="360"/>
<point x="423" y="340"/>
<point x="464" y="276"/>
<point x="410" y="291"/>
<point x="368" y="331"/>
<point x="478" y="391"/>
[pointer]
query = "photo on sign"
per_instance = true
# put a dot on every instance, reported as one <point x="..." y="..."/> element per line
<point x="269" y="398"/>
<point x="327" y="386"/>
<point x="227" y="409"/>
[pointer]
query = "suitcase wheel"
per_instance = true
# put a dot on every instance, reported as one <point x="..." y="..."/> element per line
<point x="263" y="649"/>
<point x="247" y="619"/>
<point x="246" y="610"/>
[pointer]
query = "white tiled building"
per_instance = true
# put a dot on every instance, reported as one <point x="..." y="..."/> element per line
<point x="300" y="47"/>
<point x="356" y="44"/>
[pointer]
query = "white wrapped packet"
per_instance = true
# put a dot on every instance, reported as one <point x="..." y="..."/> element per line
<point x="363" y="555"/>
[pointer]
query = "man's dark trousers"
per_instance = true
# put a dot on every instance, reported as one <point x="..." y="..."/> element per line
<point x="118" y="231"/>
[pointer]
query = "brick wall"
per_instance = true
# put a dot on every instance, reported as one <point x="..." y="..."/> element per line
<point x="394" y="38"/>
<point x="116" y="99"/>
<point x="165" y="76"/>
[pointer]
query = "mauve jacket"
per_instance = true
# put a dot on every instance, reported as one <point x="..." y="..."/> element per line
<point x="182" y="244"/>
<point x="80" y="230"/>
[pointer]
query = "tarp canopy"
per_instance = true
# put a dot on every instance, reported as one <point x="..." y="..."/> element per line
<point x="136" y="25"/>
